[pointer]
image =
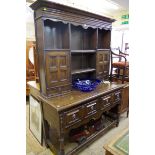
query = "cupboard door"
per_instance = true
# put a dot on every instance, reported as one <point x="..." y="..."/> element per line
<point x="102" y="64"/>
<point x="57" y="69"/>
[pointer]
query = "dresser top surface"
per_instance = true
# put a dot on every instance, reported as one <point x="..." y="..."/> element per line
<point x="75" y="97"/>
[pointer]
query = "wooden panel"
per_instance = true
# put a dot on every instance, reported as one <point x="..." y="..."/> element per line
<point x="52" y="70"/>
<point x="63" y="68"/>
<point x="39" y="27"/>
<point x="60" y="9"/>
<point x="125" y="99"/>
<point x="74" y="16"/>
<point x="102" y="64"/>
<point x="57" y="68"/>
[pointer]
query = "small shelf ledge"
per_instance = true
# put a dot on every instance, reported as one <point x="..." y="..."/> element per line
<point x="78" y="71"/>
<point x="83" y="51"/>
<point x="103" y="49"/>
<point x="48" y="49"/>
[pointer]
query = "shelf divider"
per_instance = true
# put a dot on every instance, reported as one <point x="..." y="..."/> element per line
<point x="83" y="51"/>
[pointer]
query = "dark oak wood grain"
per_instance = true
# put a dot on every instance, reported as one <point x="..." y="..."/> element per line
<point x="80" y="34"/>
<point x="102" y="64"/>
<point x="73" y="44"/>
<point x="70" y="111"/>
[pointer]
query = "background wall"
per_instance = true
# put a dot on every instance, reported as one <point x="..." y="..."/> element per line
<point x="30" y="31"/>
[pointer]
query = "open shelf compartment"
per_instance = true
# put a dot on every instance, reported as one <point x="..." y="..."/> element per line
<point x="56" y="35"/>
<point x="83" y="39"/>
<point x="104" y="37"/>
<point x="88" y="135"/>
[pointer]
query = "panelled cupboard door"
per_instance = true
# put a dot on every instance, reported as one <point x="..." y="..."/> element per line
<point x="102" y="64"/>
<point x="57" y="69"/>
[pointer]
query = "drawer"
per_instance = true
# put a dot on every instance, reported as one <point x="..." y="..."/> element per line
<point x="105" y="101"/>
<point x="73" y="116"/>
<point x="90" y="108"/>
<point x="117" y="96"/>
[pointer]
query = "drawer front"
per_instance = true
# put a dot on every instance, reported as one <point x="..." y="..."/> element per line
<point x="117" y="96"/>
<point x="90" y="108"/>
<point x="106" y="101"/>
<point x="73" y="116"/>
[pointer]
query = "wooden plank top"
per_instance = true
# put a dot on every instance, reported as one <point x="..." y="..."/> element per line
<point x="48" y="3"/>
<point x="76" y="97"/>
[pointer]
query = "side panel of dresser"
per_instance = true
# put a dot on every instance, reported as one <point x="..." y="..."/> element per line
<point x="51" y="127"/>
<point x="50" y="119"/>
<point x="39" y="32"/>
<point x="125" y="99"/>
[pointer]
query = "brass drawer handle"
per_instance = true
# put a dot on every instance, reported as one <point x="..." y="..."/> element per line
<point x="73" y="112"/>
<point x="106" y="98"/>
<point x="117" y="97"/>
<point x="91" y="105"/>
<point x="117" y="93"/>
<point x="74" y="116"/>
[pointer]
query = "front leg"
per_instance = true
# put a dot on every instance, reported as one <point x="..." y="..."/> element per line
<point x="61" y="137"/>
<point x="61" y="151"/>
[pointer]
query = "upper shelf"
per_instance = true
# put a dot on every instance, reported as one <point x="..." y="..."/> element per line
<point x="56" y="35"/>
<point x="56" y="49"/>
<point x="79" y="71"/>
<point x="72" y="15"/>
<point x="83" y="51"/>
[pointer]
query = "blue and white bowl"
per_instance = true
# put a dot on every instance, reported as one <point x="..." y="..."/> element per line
<point x="86" y="85"/>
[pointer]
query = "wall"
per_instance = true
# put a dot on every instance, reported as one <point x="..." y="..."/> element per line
<point x="30" y="30"/>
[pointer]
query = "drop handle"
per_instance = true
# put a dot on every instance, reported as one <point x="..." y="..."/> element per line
<point x="92" y="107"/>
<point x="74" y="116"/>
<point x="106" y="98"/>
<point x="117" y="97"/>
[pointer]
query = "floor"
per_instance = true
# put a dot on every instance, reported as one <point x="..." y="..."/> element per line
<point x="34" y="148"/>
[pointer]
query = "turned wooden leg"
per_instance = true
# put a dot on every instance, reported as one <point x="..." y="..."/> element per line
<point x="61" y="139"/>
<point x="61" y="151"/>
